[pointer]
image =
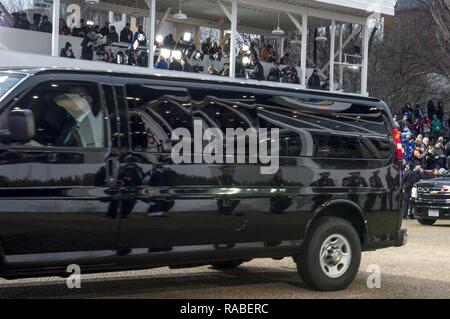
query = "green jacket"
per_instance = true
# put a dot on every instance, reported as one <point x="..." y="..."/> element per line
<point x="436" y="125"/>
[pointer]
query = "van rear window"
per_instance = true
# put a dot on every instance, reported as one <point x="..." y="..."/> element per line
<point x="8" y="81"/>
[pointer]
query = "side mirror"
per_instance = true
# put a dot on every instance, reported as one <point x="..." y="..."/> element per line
<point x="21" y="126"/>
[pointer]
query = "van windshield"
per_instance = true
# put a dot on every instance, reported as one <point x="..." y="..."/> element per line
<point x="7" y="81"/>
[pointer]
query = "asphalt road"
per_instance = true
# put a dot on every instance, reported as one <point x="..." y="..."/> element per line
<point x="419" y="270"/>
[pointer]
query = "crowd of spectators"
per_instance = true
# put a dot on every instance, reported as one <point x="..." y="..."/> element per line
<point x="426" y="144"/>
<point x="248" y="61"/>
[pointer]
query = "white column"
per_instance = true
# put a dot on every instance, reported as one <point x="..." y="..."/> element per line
<point x="304" y="47"/>
<point x="341" y="67"/>
<point x="124" y="18"/>
<point x="111" y="17"/>
<point x="234" y="17"/>
<point x="282" y="43"/>
<point x="55" y="30"/>
<point x="151" y="33"/>
<point x="365" y="63"/>
<point x="332" y="47"/>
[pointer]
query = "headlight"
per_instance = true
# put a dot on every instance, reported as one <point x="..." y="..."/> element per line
<point x="414" y="192"/>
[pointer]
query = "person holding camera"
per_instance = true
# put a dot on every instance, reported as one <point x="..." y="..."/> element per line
<point x="87" y="52"/>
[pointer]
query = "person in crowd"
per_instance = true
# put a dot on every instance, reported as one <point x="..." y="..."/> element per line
<point x="181" y="45"/>
<point x="212" y="70"/>
<point x="112" y="35"/>
<point x="396" y="124"/>
<point x="420" y="150"/>
<point x="226" y="70"/>
<point x="418" y="113"/>
<point x="213" y="51"/>
<point x="67" y="52"/>
<point x="162" y="63"/>
<point x="258" y="70"/>
<point x="440" y="112"/>
<point x="186" y="66"/>
<point x="22" y="22"/>
<point x="104" y="31"/>
<point x="140" y="36"/>
<point x="126" y="35"/>
<point x="429" y="159"/>
<point x="81" y="31"/>
<point x="2" y="20"/>
<point x="63" y="27"/>
<point x="206" y="46"/>
<point x="439" y="153"/>
<point x="447" y="155"/>
<point x="408" y="112"/>
<point x="266" y="53"/>
<point x="45" y="25"/>
<point x="97" y="29"/>
<point x="409" y="148"/>
<point x="436" y="127"/>
<point x="314" y="81"/>
<point x="175" y="65"/>
<point x="326" y="85"/>
<point x="409" y="180"/>
<point x="219" y="55"/>
<point x="427" y="127"/>
<point x="169" y="42"/>
<point x="253" y="53"/>
<point x="419" y="119"/>
<point x="431" y="109"/>
<point x="36" y="21"/>
<point x="290" y="75"/>
<point x="404" y="124"/>
<point x="274" y="73"/>
<point x="286" y="59"/>
<point x="227" y="44"/>
<point x="87" y="52"/>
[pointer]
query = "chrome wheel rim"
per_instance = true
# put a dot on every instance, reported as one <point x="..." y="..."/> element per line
<point x="335" y="256"/>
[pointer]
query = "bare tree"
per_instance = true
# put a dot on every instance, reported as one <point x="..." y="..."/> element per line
<point x="437" y="16"/>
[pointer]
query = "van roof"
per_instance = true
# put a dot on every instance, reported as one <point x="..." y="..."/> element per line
<point x="174" y="75"/>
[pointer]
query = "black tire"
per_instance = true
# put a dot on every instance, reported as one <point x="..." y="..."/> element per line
<point x="227" y="265"/>
<point x="309" y="260"/>
<point x="426" y="222"/>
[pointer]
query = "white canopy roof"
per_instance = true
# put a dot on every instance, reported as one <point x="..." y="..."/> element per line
<point x="258" y="15"/>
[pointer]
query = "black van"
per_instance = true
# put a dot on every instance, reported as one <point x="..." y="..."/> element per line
<point x="87" y="177"/>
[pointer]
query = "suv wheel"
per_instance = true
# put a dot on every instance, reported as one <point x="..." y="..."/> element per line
<point x="331" y="255"/>
<point x="227" y="265"/>
<point x="426" y="222"/>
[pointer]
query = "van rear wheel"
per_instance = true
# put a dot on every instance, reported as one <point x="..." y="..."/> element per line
<point x="426" y="222"/>
<point x="331" y="255"/>
<point x="227" y="265"/>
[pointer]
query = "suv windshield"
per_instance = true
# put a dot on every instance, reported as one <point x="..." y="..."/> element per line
<point x="7" y="81"/>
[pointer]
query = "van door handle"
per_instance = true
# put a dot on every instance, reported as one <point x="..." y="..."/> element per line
<point x="112" y="171"/>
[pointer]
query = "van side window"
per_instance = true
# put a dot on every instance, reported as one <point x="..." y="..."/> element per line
<point x="339" y="146"/>
<point x="66" y="114"/>
<point x="290" y="141"/>
<point x="154" y="113"/>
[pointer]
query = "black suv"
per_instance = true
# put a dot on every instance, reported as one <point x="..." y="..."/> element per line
<point x="430" y="200"/>
<point x="87" y="176"/>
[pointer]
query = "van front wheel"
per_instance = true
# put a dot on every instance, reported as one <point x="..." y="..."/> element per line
<point x="426" y="222"/>
<point x="331" y="255"/>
